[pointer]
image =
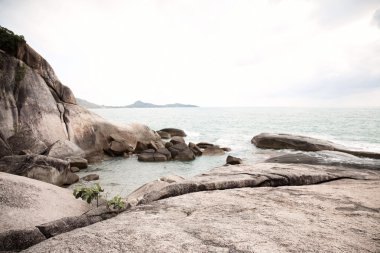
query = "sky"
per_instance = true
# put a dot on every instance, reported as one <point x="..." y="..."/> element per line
<point x="208" y="52"/>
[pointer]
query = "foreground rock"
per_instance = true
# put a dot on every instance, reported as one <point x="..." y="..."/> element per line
<point x="297" y="142"/>
<point x="38" y="111"/>
<point x="25" y="203"/>
<point x="322" y="218"/>
<point x="43" y="168"/>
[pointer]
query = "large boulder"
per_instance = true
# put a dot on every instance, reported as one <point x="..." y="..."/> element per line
<point x="33" y="99"/>
<point x="196" y="150"/>
<point x="181" y="152"/>
<point x="233" y="160"/>
<point x="65" y="149"/>
<point x="43" y="168"/>
<point x="26" y="203"/>
<point x="214" y="150"/>
<point x="304" y="143"/>
<point x="164" y="135"/>
<point x="174" y="132"/>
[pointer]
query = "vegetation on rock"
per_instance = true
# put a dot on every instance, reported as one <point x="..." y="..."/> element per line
<point x="9" y="41"/>
<point x="116" y="202"/>
<point x="89" y="193"/>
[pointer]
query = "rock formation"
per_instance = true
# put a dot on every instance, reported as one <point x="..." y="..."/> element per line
<point x="341" y="211"/>
<point x="37" y="110"/>
<point x="297" y="142"/>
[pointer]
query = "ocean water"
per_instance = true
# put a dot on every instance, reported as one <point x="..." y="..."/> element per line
<point x="358" y="128"/>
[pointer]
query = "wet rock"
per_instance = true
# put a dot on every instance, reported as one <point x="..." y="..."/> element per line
<point x="90" y="177"/>
<point x="140" y="147"/>
<point x="164" y="135"/>
<point x="226" y="149"/>
<point x="174" y="132"/>
<point x="195" y="149"/>
<point x="78" y="162"/>
<point x="152" y="157"/>
<point x="205" y="145"/>
<point x="233" y="160"/>
<point x="181" y="152"/>
<point x="177" y="139"/>
<point x="165" y="152"/>
<point x="213" y="151"/>
<point x="168" y="145"/>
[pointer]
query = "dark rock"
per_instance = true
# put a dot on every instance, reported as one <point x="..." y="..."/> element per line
<point x="151" y="157"/>
<point x="165" y="152"/>
<point x="297" y="142"/>
<point x="74" y="169"/>
<point x="204" y="145"/>
<point x="226" y="149"/>
<point x="177" y="139"/>
<point x="118" y="148"/>
<point x="5" y="149"/>
<point x="90" y="177"/>
<point x="213" y="151"/>
<point x="65" y="149"/>
<point x="71" y="178"/>
<point x="140" y="147"/>
<point x="149" y="151"/>
<point x="195" y="149"/>
<point x="43" y="168"/>
<point x="164" y="135"/>
<point x="174" y="132"/>
<point x="79" y="162"/>
<point x="181" y="152"/>
<point x="16" y="240"/>
<point x="233" y="160"/>
<point x="156" y="145"/>
<point x="168" y="145"/>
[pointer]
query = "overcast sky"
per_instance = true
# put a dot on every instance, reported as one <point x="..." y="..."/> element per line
<point x="208" y="52"/>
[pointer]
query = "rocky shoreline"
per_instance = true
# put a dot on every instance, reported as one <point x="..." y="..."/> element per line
<point x="290" y="203"/>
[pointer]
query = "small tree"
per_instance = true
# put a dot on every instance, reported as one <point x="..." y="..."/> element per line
<point x="89" y="193"/>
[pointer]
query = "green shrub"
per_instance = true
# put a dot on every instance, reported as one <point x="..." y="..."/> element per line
<point x="88" y="193"/>
<point x="116" y="202"/>
<point x="9" y="42"/>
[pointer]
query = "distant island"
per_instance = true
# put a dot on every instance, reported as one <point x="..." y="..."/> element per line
<point x="137" y="104"/>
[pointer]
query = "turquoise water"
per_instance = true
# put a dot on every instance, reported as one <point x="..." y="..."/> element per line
<point x="234" y="128"/>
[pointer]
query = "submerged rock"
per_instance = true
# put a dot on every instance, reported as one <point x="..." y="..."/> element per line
<point x="90" y="177"/>
<point x="214" y="150"/>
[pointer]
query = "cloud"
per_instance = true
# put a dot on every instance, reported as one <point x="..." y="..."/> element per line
<point x="205" y="52"/>
<point x="376" y="18"/>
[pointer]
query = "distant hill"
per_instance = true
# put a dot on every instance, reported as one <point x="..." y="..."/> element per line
<point x="140" y="104"/>
<point x="87" y="104"/>
<point x="137" y="104"/>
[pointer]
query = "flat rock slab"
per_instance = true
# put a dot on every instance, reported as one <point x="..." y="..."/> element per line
<point x="339" y="216"/>
<point x="304" y="143"/>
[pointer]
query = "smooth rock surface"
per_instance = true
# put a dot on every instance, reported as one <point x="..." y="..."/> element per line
<point x="90" y="177"/>
<point x="64" y="149"/>
<point x="233" y="160"/>
<point x="304" y="143"/>
<point x="213" y="151"/>
<point x="339" y="216"/>
<point x="26" y="202"/>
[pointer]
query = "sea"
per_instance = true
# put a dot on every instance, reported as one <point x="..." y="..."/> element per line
<point x="357" y="128"/>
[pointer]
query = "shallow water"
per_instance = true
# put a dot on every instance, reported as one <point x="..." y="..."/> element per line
<point x="232" y="127"/>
